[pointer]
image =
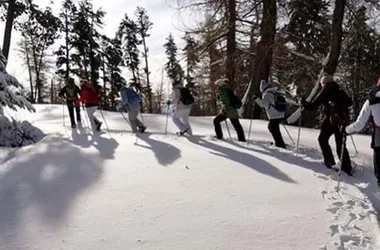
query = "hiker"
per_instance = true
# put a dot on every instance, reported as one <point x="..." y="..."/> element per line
<point x="370" y="112"/>
<point x="230" y="103"/>
<point x="89" y="96"/>
<point x="336" y="109"/>
<point x="274" y="105"/>
<point x="182" y="99"/>
<point x="131" y="101"/>
<point x="71" y="92"/>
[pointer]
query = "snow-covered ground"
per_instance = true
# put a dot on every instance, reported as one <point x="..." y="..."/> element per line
<point x="83" y="191"/>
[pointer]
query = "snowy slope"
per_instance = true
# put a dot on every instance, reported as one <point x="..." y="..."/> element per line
<point x="76" y="190"/>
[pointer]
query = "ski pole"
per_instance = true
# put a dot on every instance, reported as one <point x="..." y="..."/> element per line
<point x="341" y="159"/>
<point x="353" y="143"/>
<point x="250" y="126"/>
<point x="105" y="122"/>
<point x="167" y="117"/>
<point x="287" y="131"/>
<point x="299" y="131"/>
<point x="228" y="130"/>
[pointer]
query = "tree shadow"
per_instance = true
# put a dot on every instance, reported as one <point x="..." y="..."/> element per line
<point x="47" y="182"/>
<point x="165" y="153"/>
<point x="245" y="159"/>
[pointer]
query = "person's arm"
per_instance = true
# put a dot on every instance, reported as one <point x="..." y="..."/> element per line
<point x="124" y="97"/>
<point x="176" y="96"/>
<point x="361" y="121"/>
<point x="267" y="100"/>
<point x="62" y="92"/>
<point x="317" y="102"/>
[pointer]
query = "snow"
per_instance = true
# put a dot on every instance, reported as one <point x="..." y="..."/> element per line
<point x="82" y="191"/>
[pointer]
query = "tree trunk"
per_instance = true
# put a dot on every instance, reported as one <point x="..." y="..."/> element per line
<point x="336" y="37"/>
<point x="149" y="87"/>
<point x="67" y="74"/>
<point x="231" y="42"/>
<point x="8" y="28"/>
<point x="263" y="58"/>
<point x="29" y="71"/>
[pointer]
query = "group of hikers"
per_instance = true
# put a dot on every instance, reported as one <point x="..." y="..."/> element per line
<point x="334" y="99"/>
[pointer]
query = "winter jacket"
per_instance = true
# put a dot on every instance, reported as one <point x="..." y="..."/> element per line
<point x="268" y="102"/>
<point x="70" y="92"/>
<point x="224" y="95"/>
<point x="176" y="97"/>
<point x="130" y="98"/>
<point x="330" y="94"/>
<point x="370" y="112"/>
<point x="89" y="95"/>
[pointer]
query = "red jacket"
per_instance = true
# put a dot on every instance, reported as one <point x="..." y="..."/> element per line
<point x="89" y="95"/>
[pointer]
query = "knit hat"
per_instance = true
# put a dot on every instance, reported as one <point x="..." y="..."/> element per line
<point x="221" y="82"/>
<point x="263" y="86"/>
<point x="327" y="79"/>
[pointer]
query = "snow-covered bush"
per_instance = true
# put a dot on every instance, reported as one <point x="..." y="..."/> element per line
<point x="13" y="133"/>
<point x="18" y="134"/>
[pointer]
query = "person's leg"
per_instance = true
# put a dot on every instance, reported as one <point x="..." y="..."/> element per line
<point x="77" y="109"/>
<point x="324" y="136"/>
<point x="346" y="162"/>
<point x="70" y="107"/>
<point x="276" y="133"/>
<point x="132" y="116"/>
<point x="177" y="116"/>
<point x="239" y="129"/>
<point x="90" y="114"/>
<point x="218" y="128"/>
<point x="185" y="118"/>
<point x="376" y="164"/>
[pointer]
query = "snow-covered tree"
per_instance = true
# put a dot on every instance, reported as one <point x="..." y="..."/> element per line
<point x="9" y="97"/>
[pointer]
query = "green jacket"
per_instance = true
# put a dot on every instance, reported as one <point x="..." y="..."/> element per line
<point x="224" y="95"/>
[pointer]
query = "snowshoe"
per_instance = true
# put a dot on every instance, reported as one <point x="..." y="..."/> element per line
<point x="98" y="126"/>
<point x="142" y="129"/>
<point x="181" y="133"/>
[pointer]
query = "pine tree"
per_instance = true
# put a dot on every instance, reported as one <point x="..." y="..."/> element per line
<point x="87" y="41"/>
<point x="191" y="59"/>
<point x="173" y="68"/>
<point x="127" y="33"/>
<point x="143" y="27"/>
<point x="67" y="15"/>
<point x="39" y="36"/>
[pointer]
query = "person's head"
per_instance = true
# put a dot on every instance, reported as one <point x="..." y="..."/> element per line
<point x="177" y="85"/>
<point x="326" y="80"/>
<point x="70" y="81"/>
<point x="263" y="85"/>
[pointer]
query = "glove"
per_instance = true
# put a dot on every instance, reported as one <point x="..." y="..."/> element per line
<point x="168" y="102"/>
<point x="304" y="102"/>
<point x="119" y="107"/>
<point x="343" y="130"/>
<point x="223" y="112"/>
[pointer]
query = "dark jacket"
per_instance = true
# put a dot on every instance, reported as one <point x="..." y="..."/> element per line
<point x="332" y="94"/>
<point x="225" y="99"/>
<point x="70" y="92"/>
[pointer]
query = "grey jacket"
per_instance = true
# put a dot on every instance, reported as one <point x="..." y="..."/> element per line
<point x="268" y="102"/>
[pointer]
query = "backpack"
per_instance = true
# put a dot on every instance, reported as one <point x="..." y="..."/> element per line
<point x="279" y="101"/>
<point x="71" y="93"/>
<point x="186" y="96"/>
<point x="235" y="101"/>
<point x="339" y="110"/>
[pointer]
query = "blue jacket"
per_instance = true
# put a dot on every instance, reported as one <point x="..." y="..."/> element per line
<point x="129" y="96"/>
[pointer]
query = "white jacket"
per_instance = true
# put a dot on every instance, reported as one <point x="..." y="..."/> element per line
<point x="365" y="114"/>
<point x="268" y="102"/>
<point x="176" y="98"/>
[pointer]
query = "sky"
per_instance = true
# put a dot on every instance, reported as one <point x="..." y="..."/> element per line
<point x="163" y="13"/>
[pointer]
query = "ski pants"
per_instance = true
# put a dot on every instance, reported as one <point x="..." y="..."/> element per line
<point x="235" y="122"/>
<point x="376" y="163"/>
<point x="133" y="112"/>
<point x="93" y="120"/>
<point x="181" y="119"/>
<point x="327" y="130"/>
<point x="70" y="106"/>
<point x="274" y="129"/>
